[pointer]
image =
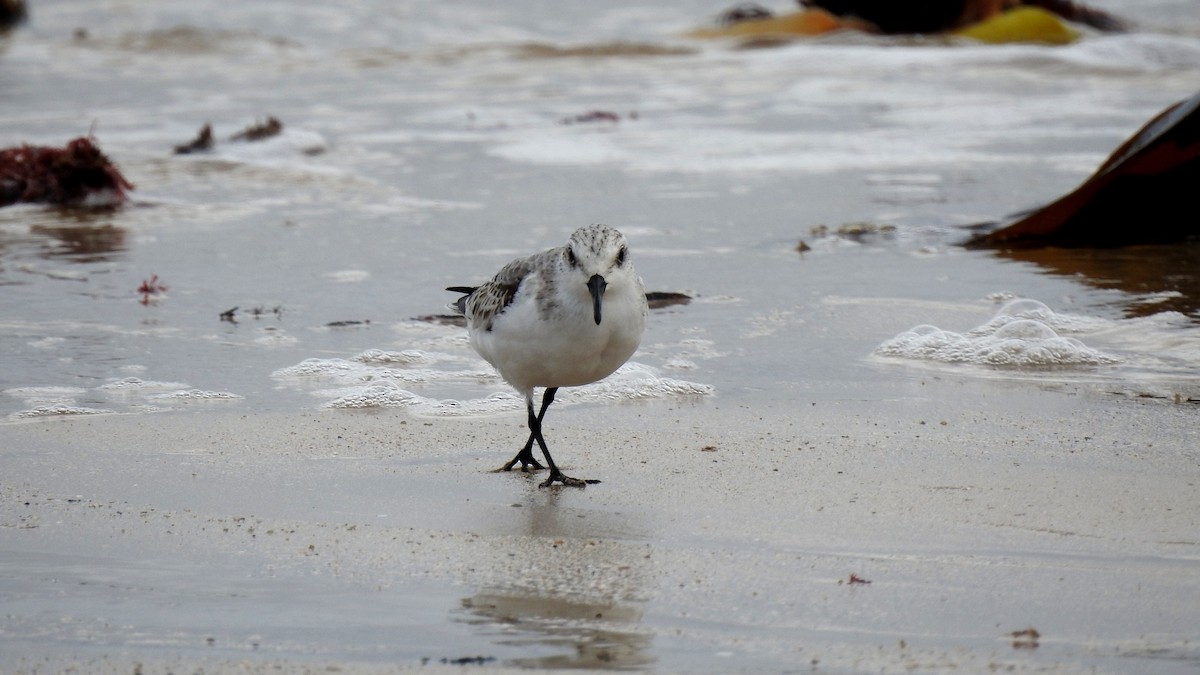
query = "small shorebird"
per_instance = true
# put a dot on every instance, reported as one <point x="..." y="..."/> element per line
<point x="560" y="318"/>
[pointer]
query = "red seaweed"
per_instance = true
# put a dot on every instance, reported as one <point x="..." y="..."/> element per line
<point x="149" y="287"/>
<point x="75" y="175"/>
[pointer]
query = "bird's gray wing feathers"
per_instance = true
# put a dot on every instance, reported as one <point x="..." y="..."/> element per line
<point x="482" y="304"/>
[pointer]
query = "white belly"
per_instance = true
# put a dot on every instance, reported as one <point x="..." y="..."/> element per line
<point x="530" y="351"/>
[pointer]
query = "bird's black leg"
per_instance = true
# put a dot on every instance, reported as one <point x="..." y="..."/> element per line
<point x="535" y="429"/>
<point x="525" y="456"/>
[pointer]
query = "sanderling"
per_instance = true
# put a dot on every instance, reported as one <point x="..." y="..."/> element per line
<point x="561" y="318"/>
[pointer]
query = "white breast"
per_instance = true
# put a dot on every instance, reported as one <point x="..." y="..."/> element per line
<point x="563" y="347"/>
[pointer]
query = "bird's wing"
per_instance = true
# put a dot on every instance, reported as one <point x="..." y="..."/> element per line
<point x="485" y="302"/>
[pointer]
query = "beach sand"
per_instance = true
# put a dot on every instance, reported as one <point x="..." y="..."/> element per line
<point x="961" y="527"/>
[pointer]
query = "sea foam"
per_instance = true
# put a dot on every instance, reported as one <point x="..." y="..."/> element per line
<point x="1023" y="334"/>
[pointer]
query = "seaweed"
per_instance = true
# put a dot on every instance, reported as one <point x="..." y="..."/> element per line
<point x="77" y="174"/>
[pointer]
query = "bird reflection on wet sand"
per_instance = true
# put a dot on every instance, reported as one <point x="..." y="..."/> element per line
<point x="567" y="632"/>
<point x="571" y="589"/>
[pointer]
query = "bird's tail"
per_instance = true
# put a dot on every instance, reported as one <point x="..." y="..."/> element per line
<point x="459" y="306"/>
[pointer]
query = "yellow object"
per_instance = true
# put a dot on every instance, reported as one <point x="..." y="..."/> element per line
<point x="1023" y="24"/>
<point x="813" y="22"/>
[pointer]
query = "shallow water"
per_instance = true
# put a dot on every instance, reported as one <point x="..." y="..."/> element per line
<point x="427" y="143"/>
<point x="424" y="147"/>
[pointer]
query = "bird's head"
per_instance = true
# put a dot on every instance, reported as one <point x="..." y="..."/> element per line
<point x="598" y="256"/>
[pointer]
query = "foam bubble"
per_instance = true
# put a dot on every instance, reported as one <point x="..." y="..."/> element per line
<point x="383" y="395"/>
<point x="1025" y="329"/>
<point x="402" y="358"/>
<point x="678" y="363"/>
<point x="1027" y="308"/>
<point x="636" y="381"/>
<point x="374" y="365"/>
<point x="1023" y="334"/>
<point x="317" y="368"/>
<point x="59" y="411"/>
<point x="196" y="395"/>
<point x="135" y="385"/>
<point x="631" y="382"/>
<point x="392" y="395"/>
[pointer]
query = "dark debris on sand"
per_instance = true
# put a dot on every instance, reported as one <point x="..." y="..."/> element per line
<point x="661" y="299"/>
<point x="205" y="139"/>
<point x="257" y="132"/>
<point x="201" y="143"/>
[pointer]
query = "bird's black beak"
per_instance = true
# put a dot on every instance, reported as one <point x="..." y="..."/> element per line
<point x="596" y="286"/>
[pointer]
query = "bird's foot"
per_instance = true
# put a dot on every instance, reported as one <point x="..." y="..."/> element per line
<point x="528" y="463"/>
<point x="560" y="477"/>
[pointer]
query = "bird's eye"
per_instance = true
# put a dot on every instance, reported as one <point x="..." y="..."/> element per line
<point x="571" y="257"/>
<point x="621" y="256"/>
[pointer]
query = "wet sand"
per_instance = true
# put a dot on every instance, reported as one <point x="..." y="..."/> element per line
<point x="915" y="533"/>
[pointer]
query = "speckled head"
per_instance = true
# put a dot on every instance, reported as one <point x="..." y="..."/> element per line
<point x="600" y="255"/>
